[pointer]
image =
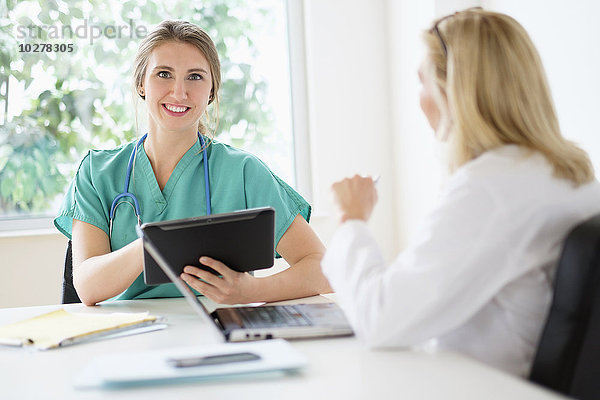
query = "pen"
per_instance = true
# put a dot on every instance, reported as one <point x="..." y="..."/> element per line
<point x="212" y="360"/>
<point x="107" y="334"/>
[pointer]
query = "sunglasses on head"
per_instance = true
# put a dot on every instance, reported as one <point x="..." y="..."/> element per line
<point x="436" y="30"/>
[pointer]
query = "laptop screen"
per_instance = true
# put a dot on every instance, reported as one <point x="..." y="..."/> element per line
<point x="179" y="283"/>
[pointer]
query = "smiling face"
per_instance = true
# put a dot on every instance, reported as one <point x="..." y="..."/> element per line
<point x="177" y="86"/>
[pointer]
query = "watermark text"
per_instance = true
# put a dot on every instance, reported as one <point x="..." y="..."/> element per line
<point x="93" y="32"/>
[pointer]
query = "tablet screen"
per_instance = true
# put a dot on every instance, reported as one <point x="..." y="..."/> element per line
<point x="242" y="240"/>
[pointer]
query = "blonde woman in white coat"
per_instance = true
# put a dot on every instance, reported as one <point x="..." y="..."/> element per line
<point x="477" y="275"/>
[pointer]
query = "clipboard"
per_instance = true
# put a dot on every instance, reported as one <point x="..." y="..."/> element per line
<point x="61" y="328"/>
<point x="243" y="240"/>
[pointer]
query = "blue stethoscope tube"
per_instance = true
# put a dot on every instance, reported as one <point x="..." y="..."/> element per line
<point x="136" y="205"/>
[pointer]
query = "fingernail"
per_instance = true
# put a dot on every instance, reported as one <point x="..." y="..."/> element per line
<point x="203" y="259"/>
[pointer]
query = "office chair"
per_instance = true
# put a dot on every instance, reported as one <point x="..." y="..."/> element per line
<point x="568" y="355"/>
<point x="69" y="294"/>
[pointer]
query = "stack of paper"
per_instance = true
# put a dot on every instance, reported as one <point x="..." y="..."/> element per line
<point x="197" y="363"/>
<point x="61" y="328"/>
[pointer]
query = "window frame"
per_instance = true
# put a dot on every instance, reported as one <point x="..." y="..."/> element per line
<point x="43" y="224"/>
<point x="299" y="98"/>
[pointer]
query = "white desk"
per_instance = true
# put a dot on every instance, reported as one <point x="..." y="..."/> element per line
<point x="339" y="368"/>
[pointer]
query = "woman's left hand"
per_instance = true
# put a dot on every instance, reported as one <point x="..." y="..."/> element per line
<point x="231" y="287"/>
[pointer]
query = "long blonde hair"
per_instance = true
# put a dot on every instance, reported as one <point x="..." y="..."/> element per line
<point x="491" y="76"/>
<point x="183" y="31"/>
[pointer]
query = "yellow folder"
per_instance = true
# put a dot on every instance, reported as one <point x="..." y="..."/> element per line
<point x="61" y="328"/>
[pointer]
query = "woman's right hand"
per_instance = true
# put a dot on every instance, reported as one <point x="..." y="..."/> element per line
<point x="354" y="197"/>
<point x="229" y="287"/>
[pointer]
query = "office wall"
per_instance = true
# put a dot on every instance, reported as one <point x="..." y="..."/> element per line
<point x="417" y="154"/>
<point x="349" y="106"/>
<point x="31" y="269"/>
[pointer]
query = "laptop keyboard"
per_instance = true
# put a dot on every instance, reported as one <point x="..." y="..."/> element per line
<point x="272" y="316"/>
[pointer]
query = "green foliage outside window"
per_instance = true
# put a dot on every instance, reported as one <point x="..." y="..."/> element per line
<point x="81" y="108"/>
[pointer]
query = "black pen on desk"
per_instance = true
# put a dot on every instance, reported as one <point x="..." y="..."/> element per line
<point x="212" y="359"/>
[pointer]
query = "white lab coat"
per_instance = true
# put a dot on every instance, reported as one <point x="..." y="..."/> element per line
<point x="477" y="275"/>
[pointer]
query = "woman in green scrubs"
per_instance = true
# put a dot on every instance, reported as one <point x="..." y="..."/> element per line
<point x="177" y="74"/>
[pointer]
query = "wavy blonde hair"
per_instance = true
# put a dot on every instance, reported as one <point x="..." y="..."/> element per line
<point x="183" y="32"/>
<point x="493" y="91"/>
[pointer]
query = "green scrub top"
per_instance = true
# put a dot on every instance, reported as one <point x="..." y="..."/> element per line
<point x="238" y="180"/>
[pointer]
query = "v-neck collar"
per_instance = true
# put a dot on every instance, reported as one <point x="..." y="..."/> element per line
<point x="161" y="198"/>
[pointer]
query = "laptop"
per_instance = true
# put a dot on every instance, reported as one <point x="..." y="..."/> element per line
<point x="238" y="324"/>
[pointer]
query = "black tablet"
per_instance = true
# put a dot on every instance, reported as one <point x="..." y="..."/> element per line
<point x="243" y="240"/>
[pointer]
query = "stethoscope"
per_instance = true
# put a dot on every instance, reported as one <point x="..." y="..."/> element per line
<point x="136" y="205"/>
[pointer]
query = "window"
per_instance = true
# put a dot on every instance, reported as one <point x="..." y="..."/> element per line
<point x="65" y="87"/>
